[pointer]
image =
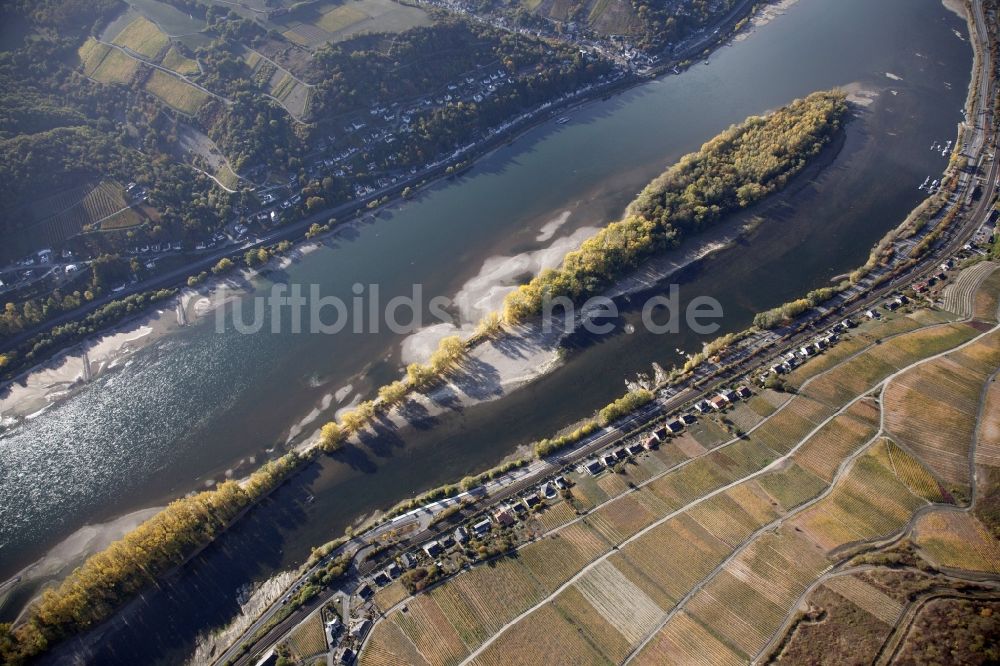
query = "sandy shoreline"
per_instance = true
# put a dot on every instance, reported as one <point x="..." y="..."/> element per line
<point x="522" y="354"/>
<point x="71" y="552"/>
<point x="44" y="385"/>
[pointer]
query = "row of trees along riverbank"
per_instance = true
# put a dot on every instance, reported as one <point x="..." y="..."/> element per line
<point x="734" y="170"/>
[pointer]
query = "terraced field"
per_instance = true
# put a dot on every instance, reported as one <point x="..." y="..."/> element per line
<point x="959" y="296"/>
<point x="706" y="561"/>
<point x="933" y="409"/>
<point x="114" y="66"/>
<point x="65" y="214"/>
<point x="175" y="93"/>
<point x="308" y="639"/>
<point x="176" y="61"/>
<point x="958" y="541"/>
<point x="314" y="25"/>
<point x="143" y="37"/>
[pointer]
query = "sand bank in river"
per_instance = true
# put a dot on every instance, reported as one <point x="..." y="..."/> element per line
<point x="526" y="352"/>
<point x="39" y="388"/>
<point x="72" y="550"/>
<point x="768" y="13"/>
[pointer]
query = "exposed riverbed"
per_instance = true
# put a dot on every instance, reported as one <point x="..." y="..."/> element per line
<point x="192" y="404"/>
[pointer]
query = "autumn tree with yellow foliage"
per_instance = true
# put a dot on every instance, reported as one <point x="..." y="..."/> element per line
<point x="732" y="171"/>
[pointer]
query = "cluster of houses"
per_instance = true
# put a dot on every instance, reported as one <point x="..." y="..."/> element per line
<point x="136" y="192"/>
<point x="660" y="435"/>
<point x="345" y="644"/>
<point x="794" y="358"/>
<point x="15" y="273"/>
<point x="720" y="401"/>
<point x="211" y="242"/>
<point x="154" y="248"/>
<point x="337" y="155"/>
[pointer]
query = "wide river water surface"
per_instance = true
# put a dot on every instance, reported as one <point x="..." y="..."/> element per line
<point x="184" y="409"/>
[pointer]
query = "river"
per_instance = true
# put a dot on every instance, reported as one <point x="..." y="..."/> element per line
<point x="194" y="404"/>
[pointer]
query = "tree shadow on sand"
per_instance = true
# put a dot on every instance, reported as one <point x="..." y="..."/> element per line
<point x="478" y="380"/>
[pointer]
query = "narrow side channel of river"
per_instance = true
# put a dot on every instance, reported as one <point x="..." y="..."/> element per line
<point x="195" y="403"/>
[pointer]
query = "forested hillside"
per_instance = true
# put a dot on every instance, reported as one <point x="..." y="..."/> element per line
<point x="97" y="98"/>
<point x="650" y="24"/>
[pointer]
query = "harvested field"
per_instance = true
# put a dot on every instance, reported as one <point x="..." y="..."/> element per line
<point x="690" y="482"/>
<point x="620" y="519"/>
<point x="291" y="93"/>
<point x="676" y="555"/>
<point x="773" y="398"/>
<point x="984" y="353"/>
<point x="175" y="93"/>
<point x="823" y="453"/>
<point x="122" y="220"/>
<point x="744" y="456"/>
<point x="685" y="641"/>
<point x="932" y="409"/>
<point x="546" y="637"/>
<point x="91" y="53"/>
<point x="116" y="67"/>
<point x="388" y="646"/>
<point x="958" y="541"/>
<point x="336" y="21"/>
<point x="786" y="428"/>
<point x="748" y="600"/>
<point x="828" y="359"/>
<point x="652" y="502"/>
<point x="555" y="559"/>
<point x="613" y="485"/>
<point x="669" y="455"/>
<point x="709" y="433"/>
<point x="986" y="306"/>
<point x="778" y="565"/>
<point x="907" y="349"/>
<point x="752" y="499"/>
<point x="642" y="580"/>
<point x="572" y="605"/>
<point x="54" y="219"/>
<point x="425" y="625"/>
<point x="390" y="595"/>
<point x="845" y="382"/>
<point x="959" y="296"/>
<point x="621" y="603"/>
<point x="908" y="470"/>
<point x="480" y="601"/>
<point x="744" y="417"/>
<point x="791" y="485"/>
<point x="103" y="201"/>
<point x="556" y="515"/>
<point x="143" y="37"/>
<point x="180" y="63"/>
<point x="867" y="597"/>
<point x="308" y="639"/>
<point x="726" y="520"/>
<point x="868" y="502"/>
<point x="988" y="444"/>
<point x="736" y="612"/>
<point x="587" y="493"/>
<point x="688" y="445"/>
